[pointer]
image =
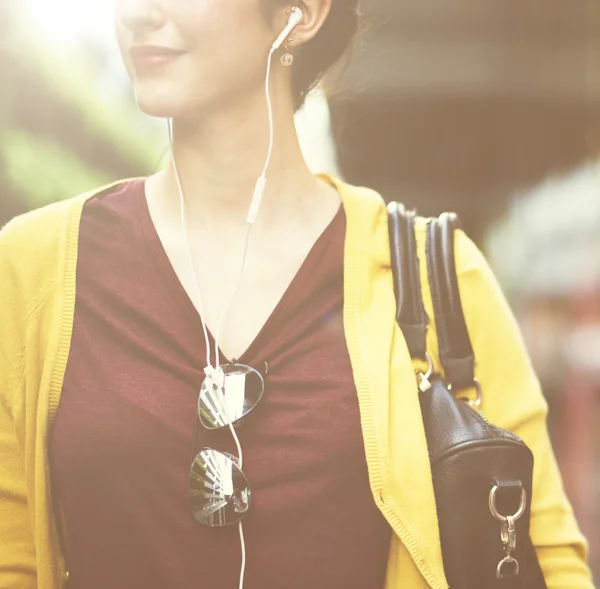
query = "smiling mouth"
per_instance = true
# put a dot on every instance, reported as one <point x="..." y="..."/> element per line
<point x="151" y="56"/>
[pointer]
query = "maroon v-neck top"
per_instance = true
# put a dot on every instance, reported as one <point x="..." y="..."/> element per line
<point x="121" y="441"/>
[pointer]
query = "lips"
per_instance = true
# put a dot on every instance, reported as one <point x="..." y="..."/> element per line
<point x="147" y="56"/>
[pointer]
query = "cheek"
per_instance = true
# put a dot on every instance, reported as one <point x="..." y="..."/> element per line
<point x="228" y="40"/>
<point x="227" y="26"/>
<point x="205" y="24"/>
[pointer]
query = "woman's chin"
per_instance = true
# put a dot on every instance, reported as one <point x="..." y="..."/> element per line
<point x="160" y="102"/>
<point x="162" y="109"/>
<point x="167" y="100"/>
<point x="159" y="111"/>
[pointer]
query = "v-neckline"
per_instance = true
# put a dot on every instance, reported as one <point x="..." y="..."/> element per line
<point x="160" y="259"/>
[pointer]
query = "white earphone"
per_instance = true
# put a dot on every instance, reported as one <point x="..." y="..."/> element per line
<point x="295" y="19"/>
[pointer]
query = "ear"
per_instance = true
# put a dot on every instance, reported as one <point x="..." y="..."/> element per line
<point x="315" y="13"/>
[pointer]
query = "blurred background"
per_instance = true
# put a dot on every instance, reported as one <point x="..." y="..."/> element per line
<point x="487" y="108"/>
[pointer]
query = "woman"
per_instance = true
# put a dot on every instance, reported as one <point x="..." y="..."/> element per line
<point x="117" y="307"/>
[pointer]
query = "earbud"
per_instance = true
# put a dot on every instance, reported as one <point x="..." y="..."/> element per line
<point x="295" y="19"/>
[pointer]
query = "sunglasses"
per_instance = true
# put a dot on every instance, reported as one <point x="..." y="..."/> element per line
<point x="219" y="492"/>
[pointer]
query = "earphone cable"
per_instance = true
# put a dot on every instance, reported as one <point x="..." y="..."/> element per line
<point x="263" y="175"/>
<point x="244" y="257"/>
<point x="243" y="545"/>
<point x="270" y="109"/>
<point x="255" y="204"/>
<point x="182" y="209"/>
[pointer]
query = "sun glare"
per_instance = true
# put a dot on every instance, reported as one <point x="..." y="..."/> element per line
<point x="67" y="22"/>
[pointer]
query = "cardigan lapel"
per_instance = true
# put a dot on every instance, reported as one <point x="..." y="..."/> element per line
<point x="393" y="432"/>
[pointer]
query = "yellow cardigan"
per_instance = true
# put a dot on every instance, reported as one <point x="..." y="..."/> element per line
<point x="38" y="258"/>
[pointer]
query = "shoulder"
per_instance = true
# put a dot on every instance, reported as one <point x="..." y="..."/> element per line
<point x="358" y="200"/>
<point x="34" y="245"/>
<point x="29" y="235"/>
<point x="369" y="208"/>
<point x="468" y="257"/>
<point x="366" y="221"/>
<point x="30" y="245"/>
<point x="30" y="231"/>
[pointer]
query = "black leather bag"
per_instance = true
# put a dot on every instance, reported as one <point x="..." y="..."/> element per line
<point x="482" y="475"/>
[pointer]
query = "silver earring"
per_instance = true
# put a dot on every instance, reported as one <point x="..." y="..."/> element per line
<point x="287" y="59"/>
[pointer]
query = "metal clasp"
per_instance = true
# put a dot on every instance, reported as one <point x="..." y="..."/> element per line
<point x="502" y="518"/>
<point x="423" y="379"/>
<point x="507" y="560"/>
<point x="508" y="533"/>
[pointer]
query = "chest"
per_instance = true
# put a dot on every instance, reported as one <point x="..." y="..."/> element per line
<point x="122" y="439"/>
<point x="236" y="288"/>
<point x="236" y="305"/>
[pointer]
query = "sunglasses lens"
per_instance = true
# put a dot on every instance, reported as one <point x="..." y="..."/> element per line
<point x="219" y="492"/>
<point x="242" y="389"/>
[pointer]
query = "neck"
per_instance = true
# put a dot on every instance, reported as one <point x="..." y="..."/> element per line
<point x="220" y="158"/>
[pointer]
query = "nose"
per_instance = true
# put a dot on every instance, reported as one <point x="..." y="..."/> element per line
<point x="139" y="15"/>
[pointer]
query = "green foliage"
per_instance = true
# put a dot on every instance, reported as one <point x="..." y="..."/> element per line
<point x="36" y="169"/>
<point x="107" y="111"/>
<point x="42" y="171"/>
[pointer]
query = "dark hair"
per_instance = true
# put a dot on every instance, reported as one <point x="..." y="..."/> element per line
<point x="330" y="44"/>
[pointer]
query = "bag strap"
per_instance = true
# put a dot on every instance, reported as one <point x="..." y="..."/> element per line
<point x="410" y="310"/>
<point x="456" y="353"/>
